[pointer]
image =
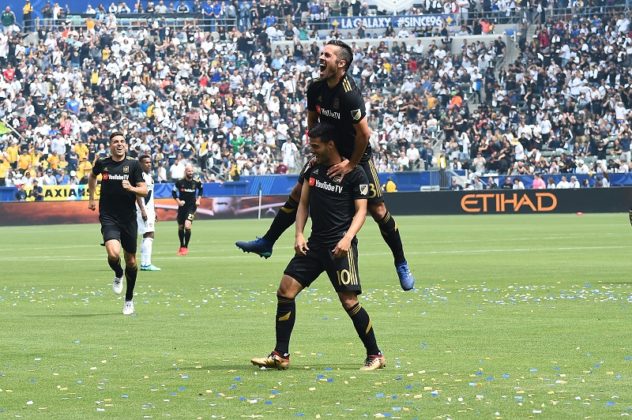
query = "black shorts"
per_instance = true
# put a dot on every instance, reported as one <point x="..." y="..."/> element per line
<point x="186" y="213"/>
<point x="342" y="272"/>
<point x="123" y="231"/>
<point x="376" y="196"/>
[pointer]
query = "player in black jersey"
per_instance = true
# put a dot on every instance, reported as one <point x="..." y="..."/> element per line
<point x="121" y="182"/>
<point x="337" y="206"/>
<point x="334" y="98"/>
<point x="184" y="192"/>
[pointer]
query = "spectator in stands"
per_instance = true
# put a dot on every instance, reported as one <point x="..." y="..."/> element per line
<point x="538" y="182"/>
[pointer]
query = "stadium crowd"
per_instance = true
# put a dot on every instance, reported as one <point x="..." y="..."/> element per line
<point x="232" y="101"/>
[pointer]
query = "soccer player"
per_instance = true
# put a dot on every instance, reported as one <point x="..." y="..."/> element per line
<point x="184" y="192"/>
<point x="146" y="216"/>
<point x="334" y="98"/>
<point x="121" y="182"/>
<point x="337" y="207"/>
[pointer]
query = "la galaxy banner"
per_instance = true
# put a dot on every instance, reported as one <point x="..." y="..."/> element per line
<point x="374" y="22"/>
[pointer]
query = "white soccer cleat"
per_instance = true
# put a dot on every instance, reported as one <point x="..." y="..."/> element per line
<point x="117" y="285"/>
<point x="128" y="307"/>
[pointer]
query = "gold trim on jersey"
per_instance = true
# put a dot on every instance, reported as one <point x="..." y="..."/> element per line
<point x="346" y="85"/>
<point x="368" y="327"/>
<point x="378" y="189"/>
<point x="355" y="310"/>
<point x="353" y="274"/>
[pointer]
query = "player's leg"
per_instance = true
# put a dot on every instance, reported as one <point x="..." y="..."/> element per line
<point x="300" y="273"/>
<point x="181" y="219"/>
<point x="146" y="250"/>
<point x="112" y="242"/>
<point x="282" y="221"/>
<point x="128" y="242"/>
<point x="388" y="227"/>
<point x="343" y="274"/>
<point x="188" y="223"/>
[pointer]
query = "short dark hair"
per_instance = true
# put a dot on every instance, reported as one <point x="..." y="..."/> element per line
<point x="116" y="133"/>
<point x="346" y="53"/>
<point x="324" y="131"/>
<point x="145" y="156"/>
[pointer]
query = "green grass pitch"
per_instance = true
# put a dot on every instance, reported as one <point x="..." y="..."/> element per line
<point x="520" y="316"/>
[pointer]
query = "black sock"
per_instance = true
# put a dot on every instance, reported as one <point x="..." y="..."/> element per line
<point x="283" y="220"/>
<point x="130" y="275"/>
<point x="116" y="266"/>
<point x="285" y="318"/>
<point x="390" y="233"/>
<point x="364" y="328"/>
<point x="187" y="237"/>
<point x="181" y="236"/>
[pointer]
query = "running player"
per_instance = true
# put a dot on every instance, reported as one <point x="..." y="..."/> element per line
<point x="337" y="207"/>
<point x="334" y="98"/>
<point x="184" y="192"/>
<point x="121" y="182"/>
<point x="146" y="216"/>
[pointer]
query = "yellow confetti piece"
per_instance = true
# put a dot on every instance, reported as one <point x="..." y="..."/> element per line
<point x="312" y="389"/>
<point x="418" y="396"/>
<point x="427" y="388"/>
<point x="609" y="373"/>
<point x="410" y="374"/>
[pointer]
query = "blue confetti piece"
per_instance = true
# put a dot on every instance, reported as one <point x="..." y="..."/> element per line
<point x="174" y="394"/>
<point x="275" y="392"/>
<point x="124" y="396"/>
<point x="409" y="387"/>
<point x="610" y="403"/>
<point x="320" y="376"/>
<point x="185" y="376"/>
<point x="423" y="345"/>
<point x="379" y="395"/>
<point x="628" y="358"/>
<point x="182" y="388"/>
<point x="557" y="368"/>
<point x="435" y="393"/>
<point x="268" y="402"/>
<point x="242" y="398"/>
<point x="330" y="380"/>
<point x="489" y="378"/>
<point x="479" y="373"/>
<point x="237" y="378"/>
<point x="300" y="414"/>
<point x="472" y="384"/>
<point x="397" y="409"/>
<point x="533" y="370"/>
<point x="597" y="365"/>
<point x="394" y="397"/>
<point x="233" y="386"/>
<point x="328" y="368"/>
<point x="518" y="398"/>
<point x="506" y="376"/>
<point x="387" y="414"/>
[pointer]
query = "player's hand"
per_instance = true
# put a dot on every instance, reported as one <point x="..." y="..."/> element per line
<point x="342" y="248"/>
<point x="340" y="169"/>
<point x="197" y="201"/>
<point x="180" y="203"/>
<point x="144" y="215"/>
<point x="126" y="185"/>
<point x="300" y="246"/>
<point x="93" y="206"/>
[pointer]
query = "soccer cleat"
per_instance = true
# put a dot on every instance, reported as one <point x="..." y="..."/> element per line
<point x="406" y="279"/>
<point x="181" y="251"/>
<point x="374" y="362"/>
<point x="273" y="361"/>
<point x="117" y="285"/>
<point x="149" y="267"/>
<point x="259" y="246"/>
<point x="185" y="251"/>
<point x="128" y="307"/>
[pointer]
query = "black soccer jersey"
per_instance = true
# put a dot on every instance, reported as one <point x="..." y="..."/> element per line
<point x="186" y="190"/>
<point x="114" y="200"/>
<point x="342" y="106"/>
<point x="331" y="203"/>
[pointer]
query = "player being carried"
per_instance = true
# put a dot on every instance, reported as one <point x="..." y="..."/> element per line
<point x="335" y="99"/>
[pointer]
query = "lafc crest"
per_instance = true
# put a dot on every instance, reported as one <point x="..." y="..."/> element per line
<point x="364" y="189"/>
<point x="356" y="114"/>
